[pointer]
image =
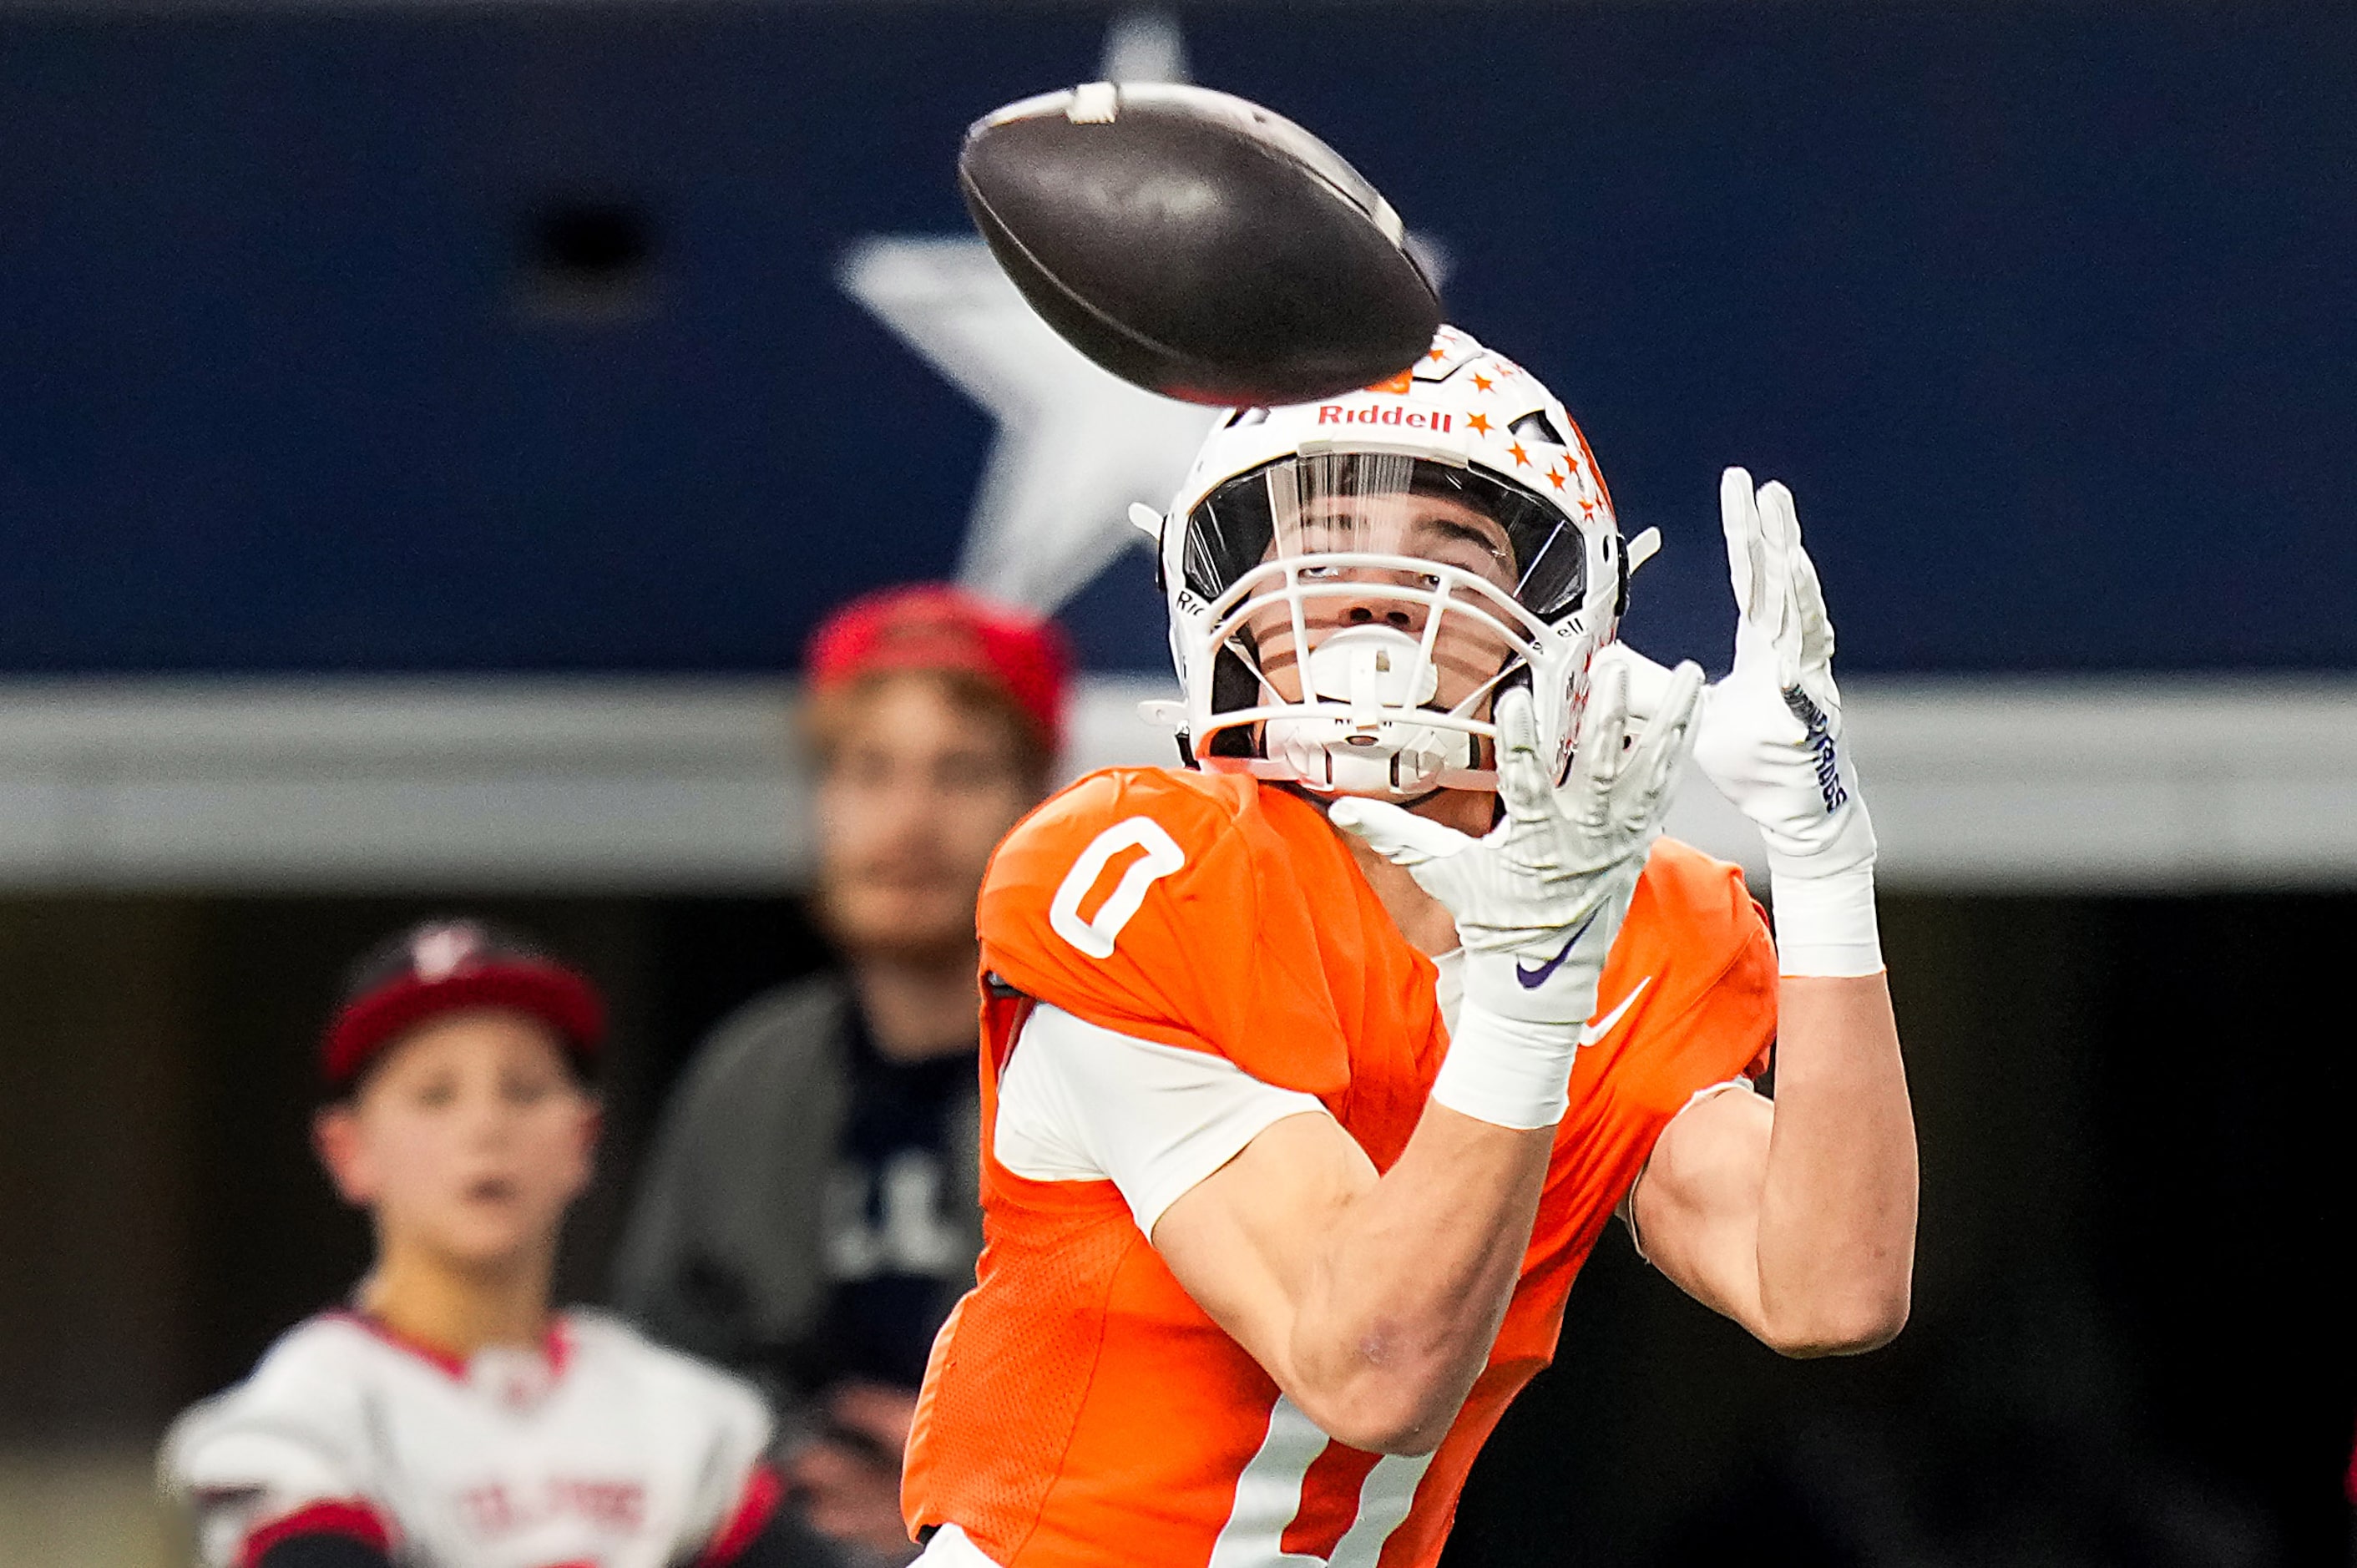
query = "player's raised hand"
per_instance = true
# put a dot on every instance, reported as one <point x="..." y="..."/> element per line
<point x="1772" y="742"/>
<point x="1772" y="738"/>
<point x="1539" y="898"/>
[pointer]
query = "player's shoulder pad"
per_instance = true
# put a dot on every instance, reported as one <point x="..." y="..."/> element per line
<point x="1692" y="928"/>
<point x="322" y="1362"/>
<point x="1075" y="873"/>
<point x="1695" y="949"/>
<point x="1164" y="904"/>
<point x="1187" y="804"/>
<point x="1699" y="894"/>
<point x="295" y="1427"/>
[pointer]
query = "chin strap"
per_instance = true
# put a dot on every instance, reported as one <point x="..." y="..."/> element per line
<point x="1323" y="799"/>
<point x="1483" y="780"/>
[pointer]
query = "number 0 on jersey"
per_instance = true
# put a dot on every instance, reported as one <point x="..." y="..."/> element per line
<point x="1095" y="935"/>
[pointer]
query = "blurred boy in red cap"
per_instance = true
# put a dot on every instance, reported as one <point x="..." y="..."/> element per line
<point x="448" y="1416"/>
<point x="808" y="1211"/>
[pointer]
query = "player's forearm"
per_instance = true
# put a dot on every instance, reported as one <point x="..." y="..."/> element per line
<point x="1412" y="1280"/>
<point x="1836" y="1232"/>
<point x="1415" y="1277"/>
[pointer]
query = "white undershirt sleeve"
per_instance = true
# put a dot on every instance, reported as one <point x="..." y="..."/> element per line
<point x="1079" y="1102"/>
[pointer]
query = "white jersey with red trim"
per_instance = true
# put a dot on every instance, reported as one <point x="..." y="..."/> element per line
<point x="599" y="1450"/>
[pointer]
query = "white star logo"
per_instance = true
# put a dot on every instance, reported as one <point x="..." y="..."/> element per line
<point x="1077" y="446"/>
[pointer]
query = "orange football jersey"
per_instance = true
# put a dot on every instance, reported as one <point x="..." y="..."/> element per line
<point x="1080" y="1409"/>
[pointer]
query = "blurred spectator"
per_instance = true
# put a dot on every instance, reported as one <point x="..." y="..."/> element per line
<point x="809" y="1213"/>
<point x="447" y="1415"/>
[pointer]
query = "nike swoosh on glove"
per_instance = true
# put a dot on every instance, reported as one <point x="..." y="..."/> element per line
<point x="1770" y="737"/>
<point x="1539" y="900"/>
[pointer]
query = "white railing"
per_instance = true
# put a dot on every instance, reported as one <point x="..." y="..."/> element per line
<point x="643" y="785"/>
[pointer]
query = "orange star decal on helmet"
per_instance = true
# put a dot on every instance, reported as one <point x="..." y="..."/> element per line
<point x="1587" y="506"/>
<point x="1555" y="476"/>
<point x="1483" y="382"/>
<point x="1479" y="422"/>
<point x="1436" y="353"/>
<point x="1522" y="459"/>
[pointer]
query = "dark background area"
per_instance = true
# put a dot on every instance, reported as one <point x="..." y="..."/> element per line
<point x="2131" y="1337"/>
<point x="320" y="328"/>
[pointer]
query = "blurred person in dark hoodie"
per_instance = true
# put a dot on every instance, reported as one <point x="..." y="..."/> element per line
<point x="809" y="1212"/>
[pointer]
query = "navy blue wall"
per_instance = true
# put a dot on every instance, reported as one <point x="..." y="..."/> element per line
<point x="2046" y="311"/>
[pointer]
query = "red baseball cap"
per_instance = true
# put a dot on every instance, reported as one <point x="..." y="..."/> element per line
<point x="443" y="966"/>
<point x="936" y="625"/>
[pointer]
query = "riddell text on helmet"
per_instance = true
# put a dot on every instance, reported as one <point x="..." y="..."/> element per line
<point x="1415" y="419"/>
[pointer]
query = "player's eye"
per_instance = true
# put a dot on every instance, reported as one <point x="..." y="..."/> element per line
<point x="438" y="1093"/>
<point x="1466" y="556"/>
<point x="966" y="771"/>
<point x="1315" y="572"/>
<point x="525" y="1089"/>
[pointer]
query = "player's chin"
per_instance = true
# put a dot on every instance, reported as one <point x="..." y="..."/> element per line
<point x="474" y="1233"/>
<point x="917" y="919"/>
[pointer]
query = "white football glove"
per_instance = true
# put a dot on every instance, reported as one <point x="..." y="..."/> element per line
<point x="1771" y="738"/>
<point x="1539" y="900"/>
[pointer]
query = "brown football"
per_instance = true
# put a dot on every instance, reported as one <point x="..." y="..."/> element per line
<point x="1196" y="244"/>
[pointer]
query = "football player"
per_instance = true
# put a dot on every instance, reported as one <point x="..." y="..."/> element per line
<point x="447" y="1418"/>
<point x="1312" y="1073"/>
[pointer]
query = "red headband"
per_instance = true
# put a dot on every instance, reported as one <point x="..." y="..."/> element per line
<point x="932" y="626"/>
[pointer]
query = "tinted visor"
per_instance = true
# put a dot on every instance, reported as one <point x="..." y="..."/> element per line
<point x="1369" y="502"/>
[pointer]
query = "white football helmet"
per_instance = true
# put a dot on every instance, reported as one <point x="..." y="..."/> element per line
<point x="1343" y="528"/>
